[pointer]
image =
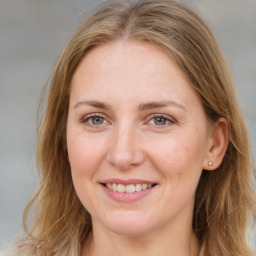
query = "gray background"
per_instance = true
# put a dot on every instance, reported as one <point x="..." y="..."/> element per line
<point x="33" y="34"/>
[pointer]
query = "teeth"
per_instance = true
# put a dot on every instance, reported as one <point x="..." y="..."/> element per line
<point x="120" y="188"/>
<point x="114" y="187"/>
<point x="138" y="187"/>
<point x="109" y="185"/>
<point x="131" y="188"/>
<point x="144" y="186"/>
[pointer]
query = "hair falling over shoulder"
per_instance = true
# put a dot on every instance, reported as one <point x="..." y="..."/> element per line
<point x="224" y="198"/>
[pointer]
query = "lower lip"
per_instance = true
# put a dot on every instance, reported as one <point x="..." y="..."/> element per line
<point x="128" y="197"/>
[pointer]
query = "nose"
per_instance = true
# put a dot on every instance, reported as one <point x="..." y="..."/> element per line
<point x="125" y="150"/>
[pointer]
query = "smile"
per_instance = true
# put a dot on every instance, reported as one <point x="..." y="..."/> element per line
<point x="129" y="188"/>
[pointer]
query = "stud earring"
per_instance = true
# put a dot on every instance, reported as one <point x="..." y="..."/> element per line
<point x="210" y="163"/>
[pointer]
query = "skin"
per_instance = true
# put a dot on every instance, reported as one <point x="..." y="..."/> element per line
<point x="125" y="140"/>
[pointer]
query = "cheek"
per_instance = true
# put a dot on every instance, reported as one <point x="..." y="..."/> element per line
<point x="179" y="157"/>
<point x="84" y="153"/>
<point x="84" y="157"/>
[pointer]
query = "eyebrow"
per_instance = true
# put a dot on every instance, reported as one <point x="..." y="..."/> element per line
<point x="159" y="104"/>
<point x="141" y="107"/>
<point x="93" y="103"/>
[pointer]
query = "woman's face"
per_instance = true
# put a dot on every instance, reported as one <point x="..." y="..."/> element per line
<point x="137" y="139"/>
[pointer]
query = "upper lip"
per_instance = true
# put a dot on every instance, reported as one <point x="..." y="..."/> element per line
<point x="127" y="182"/>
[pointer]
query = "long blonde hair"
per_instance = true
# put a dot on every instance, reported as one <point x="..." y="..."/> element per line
<point x="224" y="197"/>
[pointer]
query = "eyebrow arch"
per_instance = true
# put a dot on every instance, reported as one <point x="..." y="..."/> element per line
<point x="159" y="104"/>
<point x="93" y="103"/>
<point x="141" y="107"/>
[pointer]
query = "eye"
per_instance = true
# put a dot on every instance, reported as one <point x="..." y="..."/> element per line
<point x="97" y="120"/>
<point x="94" y="120"/>
<point x="161" y="120"/>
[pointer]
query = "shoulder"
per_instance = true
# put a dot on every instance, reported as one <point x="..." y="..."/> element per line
<point x="8" y="253"/>
<point x="5" y="254"/>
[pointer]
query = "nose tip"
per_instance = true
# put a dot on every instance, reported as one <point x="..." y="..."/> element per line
<point x="125" y="152"/>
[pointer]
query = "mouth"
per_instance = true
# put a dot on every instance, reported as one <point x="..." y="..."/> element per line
<point x="128" y="188"/>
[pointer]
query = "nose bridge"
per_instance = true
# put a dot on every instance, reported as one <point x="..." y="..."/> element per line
<point x="125" y="149"/>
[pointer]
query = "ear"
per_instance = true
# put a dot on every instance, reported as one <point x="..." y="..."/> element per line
<point x="217" y="145"/>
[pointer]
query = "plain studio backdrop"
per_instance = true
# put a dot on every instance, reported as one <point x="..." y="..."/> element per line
<point x="32" y="36"/>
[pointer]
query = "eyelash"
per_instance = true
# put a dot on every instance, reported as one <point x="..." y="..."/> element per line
<point x="91" y="116"/>
<point x="164" y="117"/>
<point x="152" y="117"/>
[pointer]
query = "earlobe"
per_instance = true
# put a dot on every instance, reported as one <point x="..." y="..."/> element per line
<point x="217" y="146"/>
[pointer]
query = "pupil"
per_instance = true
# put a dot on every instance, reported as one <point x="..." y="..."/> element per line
<point x="97" y="120"/>
<point x="160" y="121"/>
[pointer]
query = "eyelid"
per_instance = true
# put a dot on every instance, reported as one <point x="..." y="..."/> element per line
<point x="170" y="119"/>
<point x="85" y="119"/>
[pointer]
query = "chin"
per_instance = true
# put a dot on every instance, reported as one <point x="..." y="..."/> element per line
<point x="128" y="224"/>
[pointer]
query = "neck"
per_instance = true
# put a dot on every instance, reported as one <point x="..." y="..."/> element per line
<point x="173" y="240"/>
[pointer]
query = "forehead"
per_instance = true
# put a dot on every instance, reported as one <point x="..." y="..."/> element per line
<point x="130" y="70"/>
<point x="134" y="52"/>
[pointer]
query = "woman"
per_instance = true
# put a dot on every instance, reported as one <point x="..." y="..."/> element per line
<point x="143" y="149"/>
